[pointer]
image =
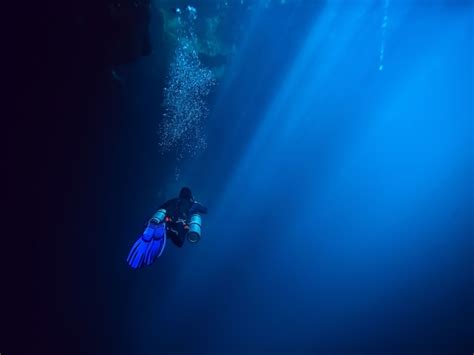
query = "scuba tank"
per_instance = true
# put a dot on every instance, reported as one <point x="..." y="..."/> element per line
<point x="194" y="233"/>
<point x="159" y="216"/>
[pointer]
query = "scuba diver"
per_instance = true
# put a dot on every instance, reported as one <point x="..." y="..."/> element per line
<point x="177" y="219"/>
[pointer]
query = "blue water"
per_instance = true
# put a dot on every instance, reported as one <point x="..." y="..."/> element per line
<point x="340" y="194"/>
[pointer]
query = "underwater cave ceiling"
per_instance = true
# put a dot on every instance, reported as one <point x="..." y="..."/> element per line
<point x="210" y="45"/>
<point x="127" y="36"/>
<point x="129" y="29"/>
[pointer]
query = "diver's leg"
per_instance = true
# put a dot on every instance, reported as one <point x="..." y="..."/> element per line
<point x="178" y="240"/>
<point x="175" y="238"/>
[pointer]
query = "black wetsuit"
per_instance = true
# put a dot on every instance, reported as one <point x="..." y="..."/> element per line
<point x="178" y="212"/>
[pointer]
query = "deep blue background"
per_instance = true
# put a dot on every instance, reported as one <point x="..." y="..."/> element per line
<point x="340" y="196"/>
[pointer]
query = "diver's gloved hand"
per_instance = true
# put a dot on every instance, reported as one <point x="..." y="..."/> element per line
<point x="149" y="246"/>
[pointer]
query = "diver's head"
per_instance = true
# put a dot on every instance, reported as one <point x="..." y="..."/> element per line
<point x="186" y="194"/>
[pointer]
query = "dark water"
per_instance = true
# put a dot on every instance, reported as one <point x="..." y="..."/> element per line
<point x="340" y="195"/>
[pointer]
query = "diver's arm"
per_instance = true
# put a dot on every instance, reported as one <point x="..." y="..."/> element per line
<point x="198" y="208"/>
<point x="168" y="204"/>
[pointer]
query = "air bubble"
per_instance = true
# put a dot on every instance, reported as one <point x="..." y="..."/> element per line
<point x="384" y="32"/>
<point x="188" y="85"/>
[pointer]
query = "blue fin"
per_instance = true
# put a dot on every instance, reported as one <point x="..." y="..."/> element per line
<point x="148" y="247"/>
<point x="137" y="253"/>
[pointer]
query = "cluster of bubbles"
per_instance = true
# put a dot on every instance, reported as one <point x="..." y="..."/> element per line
<point x="384" y="32"/>
<point x="250" y="3"/>
<point x="188" y="86"/>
